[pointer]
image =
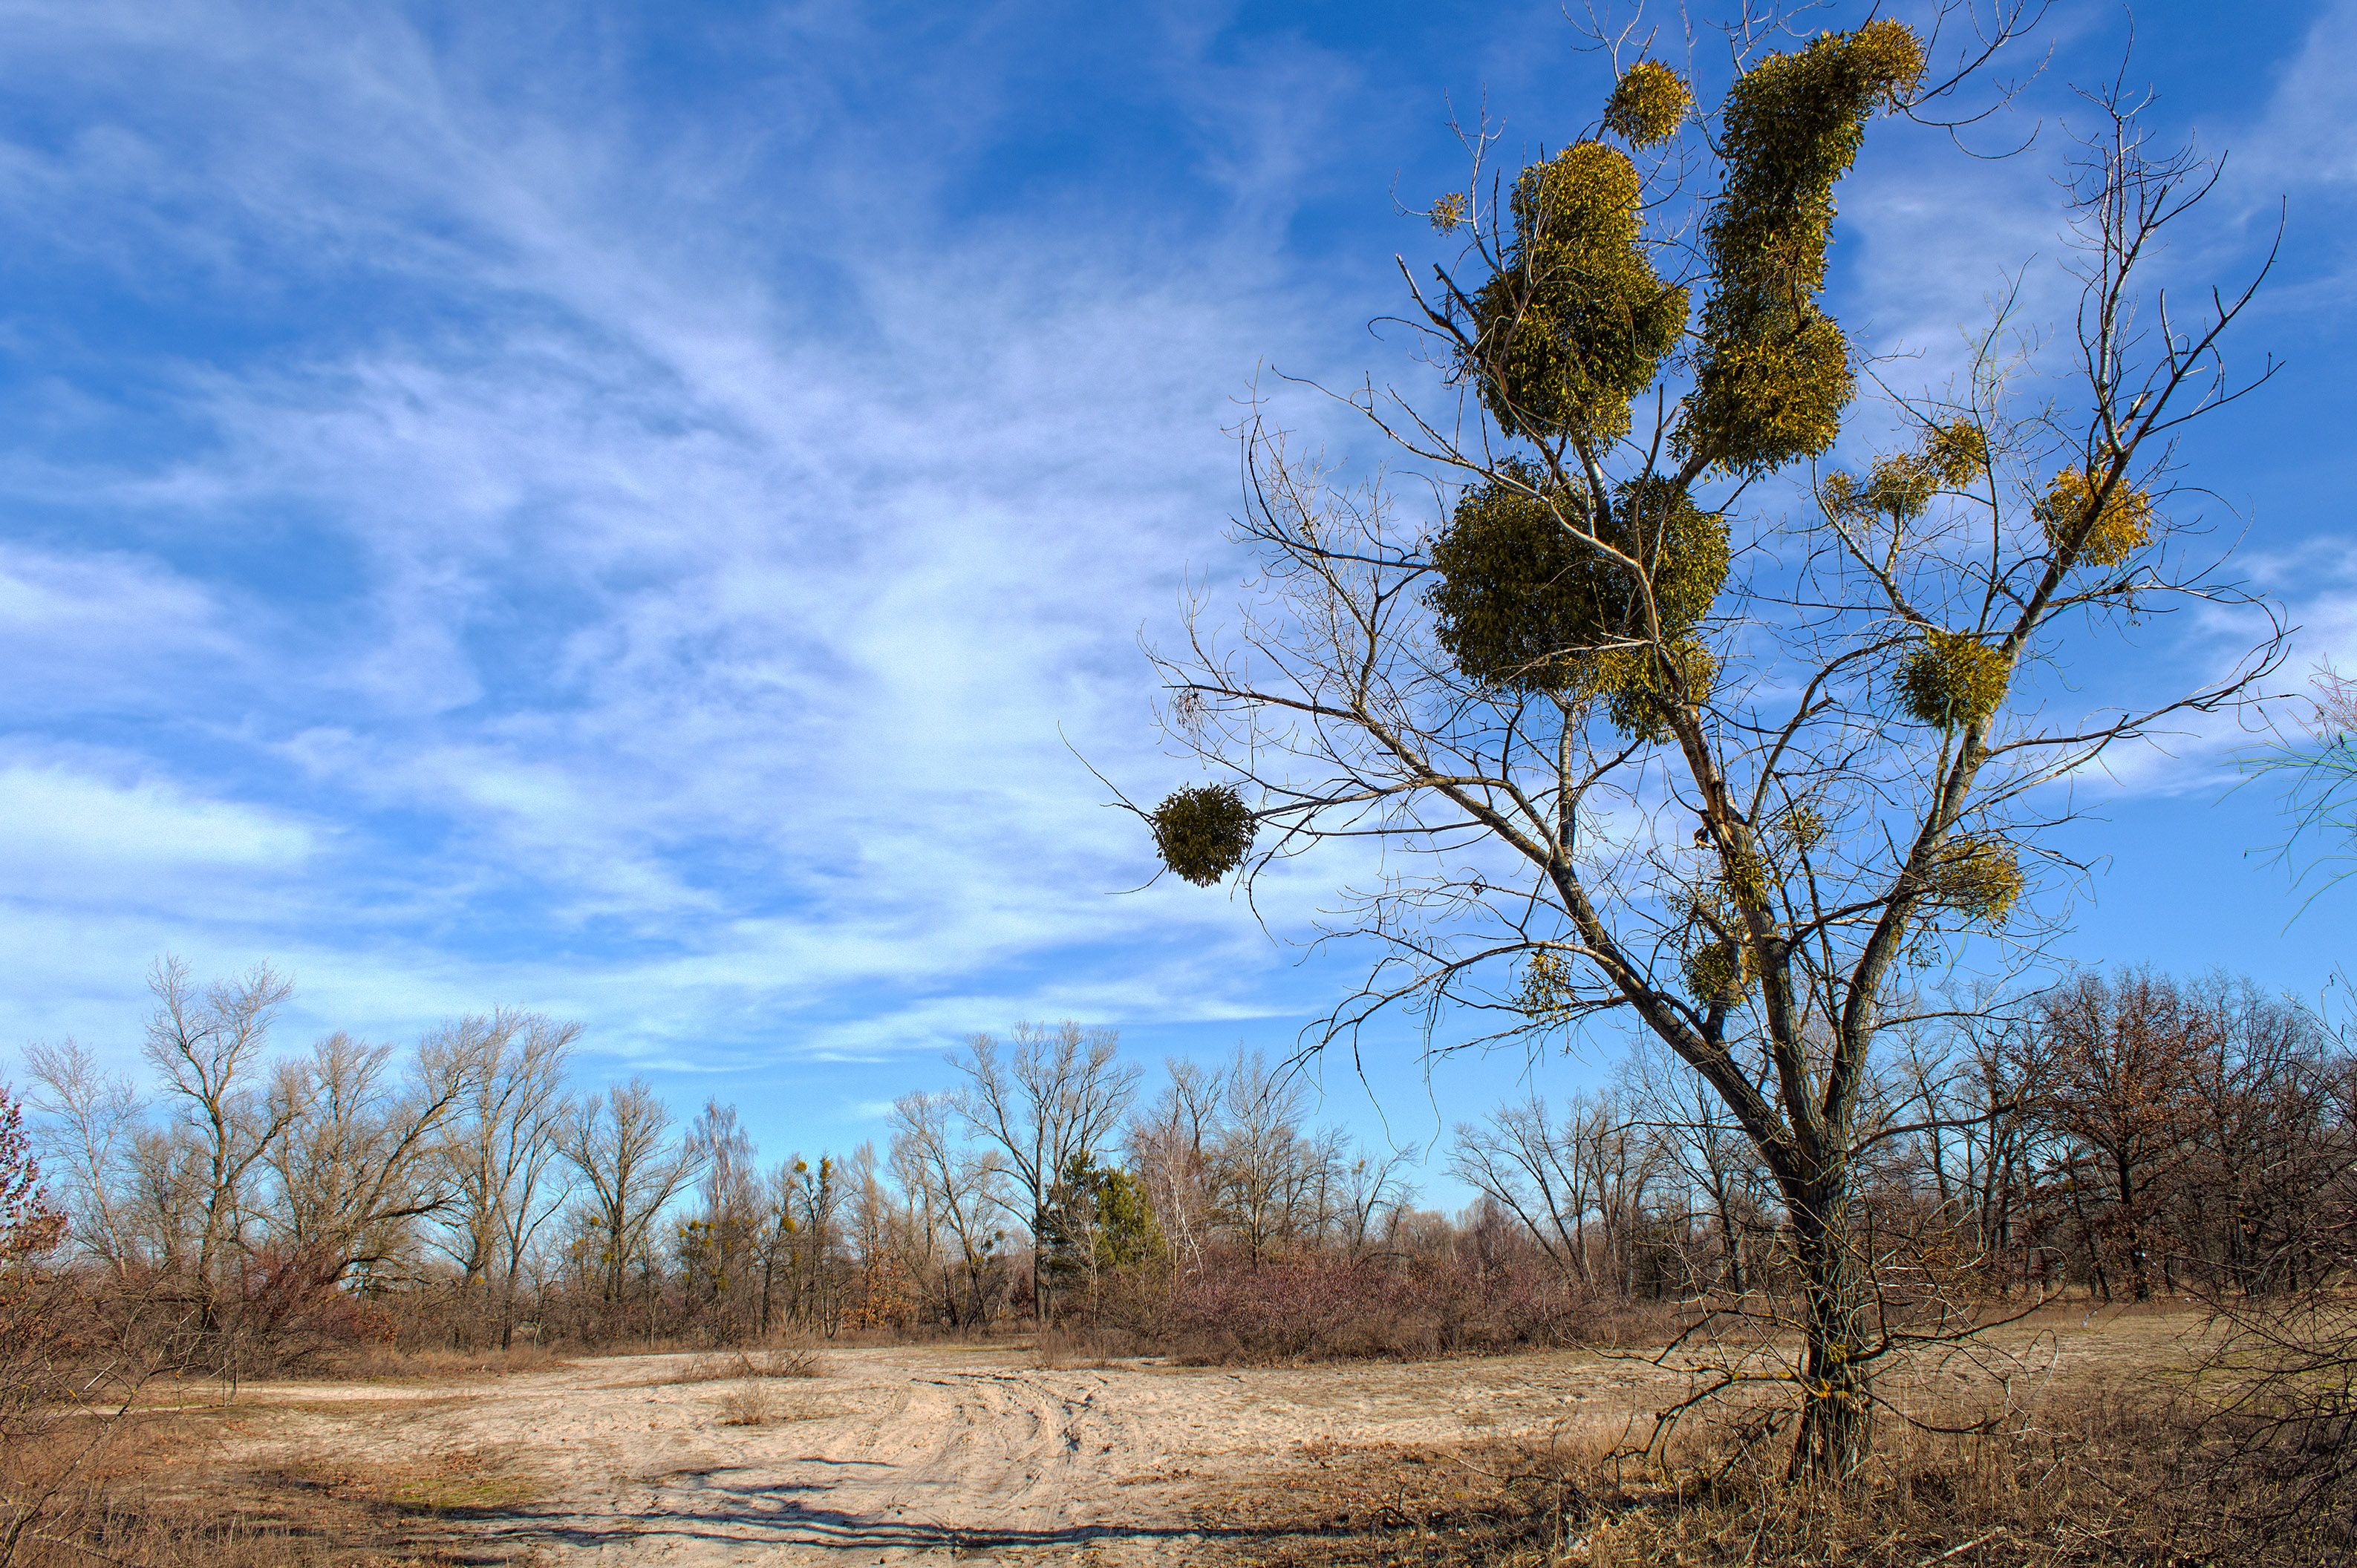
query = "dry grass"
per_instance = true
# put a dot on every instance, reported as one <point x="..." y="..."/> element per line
<point x="381" y="1363"/>
<point x="2104" y="1481"/>
<point x="748" y="1404"/>
<point x="754" y="1402"/>
<point x="1060" y="1350"/>
<point x="779" y="1362"/>
<point x="157" y="1495"/>
<point x="457" y="1483"/>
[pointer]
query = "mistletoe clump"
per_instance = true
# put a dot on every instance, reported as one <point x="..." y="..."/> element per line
<point x="1203" y="833"/>
<point x="1744" y="880"/>
<point x="1719" y="964"/>
<point x="1953" y="680"/>
<point x="1977" y="878"/>
<point x="1575" y="324"/>
<point x="1774" y="372"/>
<point x="1640" y="688"/>
<point x="1900" y="486"/>
<point x="1958" y="452"/>
<point x="1648" y="104"/>
<point x="1720" y="972"/>
<point x="1798" y="825"/>
<point x="2098" y="535"/>
<point x="1534" y="594"/>
<point x="1547" y="995"/>
<point x="1510" y="599"/>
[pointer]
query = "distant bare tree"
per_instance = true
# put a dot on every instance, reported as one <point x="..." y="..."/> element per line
<point x="206" y="1045"/>
<point x="804" y="1206"/>
<point x="1961" y="1088"/>
<point x="719" y="1245"/>
<point x="1371" y="1187"/>
<point x="2285" y="1367"/>
<point x="1519" y="1162"/>
<point x="956" y="1189"/>
<point x="501" y="1150"/>
<point x="2266" y="1143"/>
<point x="90" y="1121"/>
<point x="631" y="1167"/>
<point x="354" y="1164"/>
<point x="1269" y="1178"/>
<point x="1709" y="1149"/>
<point x="1169" y="1148"/>
<point x="1578" y="1185"/>
<point x="1056" y="1095"/>
<point x="2116" y="1066"/>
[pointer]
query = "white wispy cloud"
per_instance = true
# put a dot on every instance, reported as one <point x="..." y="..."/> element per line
<point x="647" y="560"/>
<point x="719" y="565"/>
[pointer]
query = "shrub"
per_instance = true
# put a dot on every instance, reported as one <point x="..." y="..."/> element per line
<point x="1332" y="1305"/>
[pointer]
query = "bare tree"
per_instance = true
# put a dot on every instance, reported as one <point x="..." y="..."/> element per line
<point x="1704" y="1142"/>
<point x="800" y="1251"/>
<point x="1169" y="1148"/>
<point x="720" y="1244"/>
<point x="1056" y="1096"/>
<point x="501" y="1150"/>
<point x="1269" y="1177"/>
<point x="2267" y="1148"/>
<point x="956" y="1189"/>
<point x="206" y="1045"/>
<point x="1971" y="1126"/>
<point x="1634" y="735"/>
<point x="90" y="1120"/>
<point x="630" y="1168"/>
<point x="2285" y="1367"/>
<point x="354" y="1166"/>
<point x="1520" y="1162"/>
<point x="2117" y="1063"/>
<point x="1373" y="1187"/>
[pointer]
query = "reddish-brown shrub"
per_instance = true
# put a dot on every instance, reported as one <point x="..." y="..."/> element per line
<point x="1328" y="1305"/>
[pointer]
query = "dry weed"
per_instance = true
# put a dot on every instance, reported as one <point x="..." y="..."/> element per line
<point x="380" y="1363"/>
<point x="788" y="1361"/>
<point x="1060" y="1349"/>
<point x="779" y="1361"/>
<point x="454" y="1482"/>
<point x="2103" y="1481"/>
<point x="157" y="1497"/>
<point x="747" y="1404"/>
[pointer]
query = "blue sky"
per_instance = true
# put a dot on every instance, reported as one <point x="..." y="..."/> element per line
<point x="631" y="509"/>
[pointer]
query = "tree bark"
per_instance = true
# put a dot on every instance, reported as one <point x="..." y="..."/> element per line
<point x="1836" y="1413"/>
<point x="2139" y="1258"/>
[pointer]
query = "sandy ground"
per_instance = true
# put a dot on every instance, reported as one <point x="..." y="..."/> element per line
<point x="933" y="1454"/>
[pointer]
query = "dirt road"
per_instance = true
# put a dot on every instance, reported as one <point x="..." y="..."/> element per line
<point x="892" y="1455"/>
<point x="906" y="1454"/>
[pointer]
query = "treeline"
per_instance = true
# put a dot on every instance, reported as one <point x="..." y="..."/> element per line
<point x="459" y="1192"/>
<point x="2127" y="1135"/>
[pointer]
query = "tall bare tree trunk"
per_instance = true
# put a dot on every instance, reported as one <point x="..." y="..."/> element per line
<point x="1837" y="1410"/>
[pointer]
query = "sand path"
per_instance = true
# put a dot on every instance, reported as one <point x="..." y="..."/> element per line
<point x="899" y="1454"/>
<point x="936" y="1452"/>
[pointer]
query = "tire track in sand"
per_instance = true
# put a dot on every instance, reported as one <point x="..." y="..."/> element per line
<point x="906" y="1455"/>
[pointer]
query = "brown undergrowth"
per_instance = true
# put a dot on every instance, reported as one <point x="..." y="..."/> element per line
<point x="156" y="1493"/>
<point x="779" y="1362"/>
<point x="389" y="1364"/>
<point x="2105" y="1481"/>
